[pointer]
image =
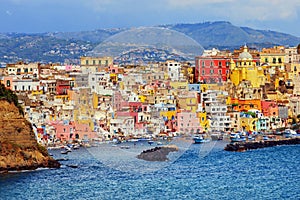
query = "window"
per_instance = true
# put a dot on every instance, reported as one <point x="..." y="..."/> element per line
<point x="211" y="71"/>
<point x="203" y="72"/>
<point x="203" y="63"/>
<point x="220" y="71"/>
<point x="87" y="62"/>
<point x="274" y="60"/>
<point x="8" y="83"/>
<point x="94" y="62"/>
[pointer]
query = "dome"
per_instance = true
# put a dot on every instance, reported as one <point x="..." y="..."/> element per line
<point x="149" y="38"/>
<point x="245" y="55"/>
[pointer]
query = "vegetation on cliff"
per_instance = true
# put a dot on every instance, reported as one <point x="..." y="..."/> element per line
<point x="11" y="97"/>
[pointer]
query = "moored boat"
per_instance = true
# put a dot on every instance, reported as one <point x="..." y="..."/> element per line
<point x="199" y="139"/>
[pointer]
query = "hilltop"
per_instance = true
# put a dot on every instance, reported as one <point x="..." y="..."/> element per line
<point x="69" y="46"/>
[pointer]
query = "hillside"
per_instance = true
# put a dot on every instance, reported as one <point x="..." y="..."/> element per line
<point x="69" y="46"/>
<point x="226" y="34"/>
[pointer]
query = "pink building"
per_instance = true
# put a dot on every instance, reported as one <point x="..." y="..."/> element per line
<point x="72" y="131"/>
<point x="8" y="82"/>
<point x="269" y="108"/>
<point x="83" y="132"/>
<point x="64" y="132"/>
<point x="188" y="122"/>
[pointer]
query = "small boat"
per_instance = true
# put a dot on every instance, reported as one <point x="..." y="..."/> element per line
<point x="125" y="147"/>
<point x="76" y="146"/>
<point x="199" y="139"/>
<point x="234" y="137"/>
<point x="150" y="142"/>
<point x="64" y="152"/>
<point x="265" y="137"/>
<point x="133" y="140"/>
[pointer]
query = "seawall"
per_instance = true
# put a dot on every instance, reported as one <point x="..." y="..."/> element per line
<point x="244" y="146"/>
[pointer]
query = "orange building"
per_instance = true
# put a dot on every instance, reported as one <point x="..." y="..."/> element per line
<point x="245" y="105"/>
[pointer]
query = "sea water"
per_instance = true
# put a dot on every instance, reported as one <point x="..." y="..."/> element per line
<point x="196" y="171"/>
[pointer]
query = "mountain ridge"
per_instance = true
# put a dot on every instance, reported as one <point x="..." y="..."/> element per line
<point x="70" y="46"/>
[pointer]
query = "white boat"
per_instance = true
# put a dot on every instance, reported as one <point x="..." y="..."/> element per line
<point x="125" y="147"/>
<point x="235" y="137"/>
<point x="199" y="139"/>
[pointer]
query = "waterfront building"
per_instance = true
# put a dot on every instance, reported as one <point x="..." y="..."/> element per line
<point x="188" y="123"/>
<point x="122" y="126"/>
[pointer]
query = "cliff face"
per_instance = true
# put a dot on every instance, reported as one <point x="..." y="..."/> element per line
<point x="19" y="149"/>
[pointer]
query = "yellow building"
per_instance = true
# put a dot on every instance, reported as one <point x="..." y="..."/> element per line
<point x="245" y="69"/>
<point x="188" y="101"/>
<point x="177" y="85"/>
<point x="168" y="114"/>
<point x="204" y="123"/>
<point x="248" y="124"/>
<point x="272" y="59"/>
<point x="95" y="64"/>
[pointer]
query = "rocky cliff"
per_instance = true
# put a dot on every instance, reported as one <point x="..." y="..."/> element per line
<point x="19" y="149"/>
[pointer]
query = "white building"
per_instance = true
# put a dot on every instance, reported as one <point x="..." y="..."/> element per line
<point x="216" y="111"/>
<point x="122" y="123"/>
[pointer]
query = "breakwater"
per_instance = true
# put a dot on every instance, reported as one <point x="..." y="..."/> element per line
<point x="244" y="146"/>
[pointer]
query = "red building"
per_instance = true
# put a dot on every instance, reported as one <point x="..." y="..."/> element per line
<point x="212" y="69"/>
<point x="215" y="68"/>
<point x="62" y="87"/>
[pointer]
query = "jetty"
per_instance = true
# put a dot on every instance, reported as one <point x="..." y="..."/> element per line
<point x="244" y="146"/>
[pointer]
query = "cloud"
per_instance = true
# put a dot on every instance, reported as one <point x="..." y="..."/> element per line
<point x="8" y="12"/>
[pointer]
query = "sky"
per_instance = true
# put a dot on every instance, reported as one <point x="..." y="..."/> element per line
<point x="38" y="16"/>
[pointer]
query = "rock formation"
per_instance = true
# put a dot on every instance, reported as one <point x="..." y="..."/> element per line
<point x="157" y="153"/>
<point x="19" y="149"/>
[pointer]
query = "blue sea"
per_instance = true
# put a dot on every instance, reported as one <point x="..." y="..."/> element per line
<point x="196" y="171"/>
